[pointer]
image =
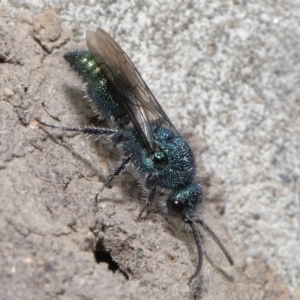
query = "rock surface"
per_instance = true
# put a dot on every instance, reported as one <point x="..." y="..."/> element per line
<point x="57" y="242"/>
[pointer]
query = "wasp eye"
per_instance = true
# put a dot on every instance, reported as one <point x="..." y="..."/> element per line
<point x="176" y="207"/>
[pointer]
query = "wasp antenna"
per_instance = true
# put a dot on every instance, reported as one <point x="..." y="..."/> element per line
<point x="215" y="238"/>
<point x="199" y="248"/>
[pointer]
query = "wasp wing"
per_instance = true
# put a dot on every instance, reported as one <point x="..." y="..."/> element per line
<point x="116" y="66"/>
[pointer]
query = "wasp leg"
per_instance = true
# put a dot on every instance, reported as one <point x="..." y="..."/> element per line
<point x="96" y="131"/>
<point x="149" y="201"/>
<point x="85" y="130"/>
<point x="117" y="172"/>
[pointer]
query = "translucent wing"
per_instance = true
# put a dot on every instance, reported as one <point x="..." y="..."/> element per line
<point x="140" y="103"/>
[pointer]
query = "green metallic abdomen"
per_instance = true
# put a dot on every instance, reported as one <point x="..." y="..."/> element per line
<point x="104" y="98"/>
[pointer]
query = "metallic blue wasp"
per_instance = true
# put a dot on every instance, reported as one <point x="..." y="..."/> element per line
<point x="147" y="141"/>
